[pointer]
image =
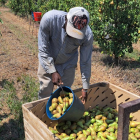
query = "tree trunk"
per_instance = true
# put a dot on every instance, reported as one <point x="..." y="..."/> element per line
<point x="116" y="60"/>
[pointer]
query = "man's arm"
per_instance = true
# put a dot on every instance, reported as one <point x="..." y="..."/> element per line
<point x="85" y="60"/>
<point x="85" y="64"/>
<point x="45" y="58"/>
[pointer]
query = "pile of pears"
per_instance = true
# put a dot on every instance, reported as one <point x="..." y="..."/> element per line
<point x="61" y="104"/>
<point x="95" y="124"/>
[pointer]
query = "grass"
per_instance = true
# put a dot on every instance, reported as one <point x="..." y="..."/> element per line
<point x="20" y="34"/>
<point x="8" y="97"/>
<point x="135" y="55"/>
<point x="31" y="89"/>
<point x="22" y="38"/>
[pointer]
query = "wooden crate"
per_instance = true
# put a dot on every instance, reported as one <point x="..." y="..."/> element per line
<point x="104" y="94"/>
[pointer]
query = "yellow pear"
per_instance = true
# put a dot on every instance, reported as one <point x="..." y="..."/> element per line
<point x="101" y="2"/>
<point x="118" y="7"/>
<point x="54" y="100"/>
<point x="54" y="111"/>
<point x="112" y="2"/>
<point x="100" y="11"/>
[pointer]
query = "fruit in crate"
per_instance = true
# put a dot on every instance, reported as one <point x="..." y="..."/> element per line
<point x="95" y="124"/>
<point x="61" y="104"/>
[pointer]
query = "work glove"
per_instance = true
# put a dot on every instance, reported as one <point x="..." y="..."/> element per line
<point x="56" y="79"/>
<point x="84" y="96"/>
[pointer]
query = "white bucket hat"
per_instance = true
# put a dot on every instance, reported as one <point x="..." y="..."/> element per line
<point x="70" y="29"/>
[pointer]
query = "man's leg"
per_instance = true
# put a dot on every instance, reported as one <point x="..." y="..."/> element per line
<point x="46" y="85"/>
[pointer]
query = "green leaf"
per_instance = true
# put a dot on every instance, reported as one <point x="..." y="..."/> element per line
<point x="1" y="21"/>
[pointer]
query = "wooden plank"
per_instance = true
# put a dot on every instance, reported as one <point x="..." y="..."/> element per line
<point x="136" y="116"/>
<point x="38" y="108"/>
<point x="40" y="111"/>
<point x="27" y="136"/>
<point x="95" y="97"/>
<point x="37" y="124"/>
<point x="32" y="131"/>
<point x="123" y="118"/>
<point x="45" y="119"/>
<point x="122" y="99"/>
<point x="79" y="93"/>
<point x="91" y="92"/>
<point x="95" y="100"/>
<point x="93" y="87"/>
<point x="110" y="98"/>
<point x="33" y="103"/>
<point x="126" y="96"/>
<point x="121" y="90"/>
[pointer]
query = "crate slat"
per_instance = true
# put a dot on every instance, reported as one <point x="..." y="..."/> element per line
<point x="37" y="124"/>
<point x="32" y="132"/>
<point x="27" y="136"/>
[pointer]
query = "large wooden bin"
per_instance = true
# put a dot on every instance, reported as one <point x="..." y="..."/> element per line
<point x="104" y="94"/>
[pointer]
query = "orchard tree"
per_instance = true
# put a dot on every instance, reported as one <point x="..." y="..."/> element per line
<point x="3" y="2"/>
<point x="61" y="5"/>
<point x="115" y="26"/>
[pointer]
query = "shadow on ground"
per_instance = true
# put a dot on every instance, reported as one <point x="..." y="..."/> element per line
<point x="13" y="130"/>
<point x="124" y="63"/>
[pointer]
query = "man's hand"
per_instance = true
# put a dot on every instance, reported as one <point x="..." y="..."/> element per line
<point x="84" y="96"/>
<point x="56" y="79"/>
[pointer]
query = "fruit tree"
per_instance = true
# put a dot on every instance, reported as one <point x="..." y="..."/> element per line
<point x="115" y="26"/>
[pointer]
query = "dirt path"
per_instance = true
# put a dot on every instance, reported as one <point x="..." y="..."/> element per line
<point x="18" y="53"/>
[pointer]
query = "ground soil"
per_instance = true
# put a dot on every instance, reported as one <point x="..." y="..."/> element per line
<point x="18" y="55"/>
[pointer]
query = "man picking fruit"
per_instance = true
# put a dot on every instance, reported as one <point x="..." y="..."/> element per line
<point x="60" y="35"/>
